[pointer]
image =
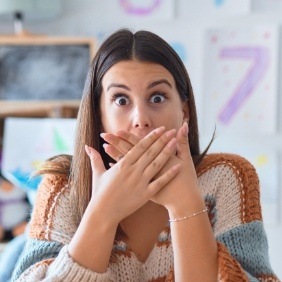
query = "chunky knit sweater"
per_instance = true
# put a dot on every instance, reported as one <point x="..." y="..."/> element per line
<point x="230" y="187"/>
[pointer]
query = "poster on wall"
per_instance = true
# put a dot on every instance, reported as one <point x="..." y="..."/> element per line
<point x="40" y="139"/>
<point x="144" y="10"/>
<point x="241" y="68"/>
<point x="218" y="7"/>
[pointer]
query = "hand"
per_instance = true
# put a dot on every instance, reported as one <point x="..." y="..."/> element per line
<point x="182" y="193"/>
<point x="128" y="185"/>
<point x="185" y="183"/>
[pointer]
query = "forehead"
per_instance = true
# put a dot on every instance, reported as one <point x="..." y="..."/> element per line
<point x="135" y="70"/>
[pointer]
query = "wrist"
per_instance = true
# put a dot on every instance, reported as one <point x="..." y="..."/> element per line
<point x="100" y="215"/>
<point x="187" y="208"/>
<point x="188" y="216"/>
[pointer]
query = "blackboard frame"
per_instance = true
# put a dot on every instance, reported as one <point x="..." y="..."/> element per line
<point x="42" y="108"/>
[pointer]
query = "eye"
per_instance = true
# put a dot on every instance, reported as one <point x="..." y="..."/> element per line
<point x="157" y="98"/>
<point x="121" y="99"/>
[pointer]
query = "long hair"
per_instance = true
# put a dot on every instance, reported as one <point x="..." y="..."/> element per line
<point x="122" y="45"/>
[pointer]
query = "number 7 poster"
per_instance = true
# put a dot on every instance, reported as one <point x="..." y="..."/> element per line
<point x="240" y="81"/>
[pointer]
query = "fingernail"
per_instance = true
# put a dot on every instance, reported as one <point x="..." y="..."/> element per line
<point x="103" y="135"/>
<point x="170" y="133"/>
<point x="185" y="129"/>
<point x="87" y="150"/>
<point x="160" y="129"/>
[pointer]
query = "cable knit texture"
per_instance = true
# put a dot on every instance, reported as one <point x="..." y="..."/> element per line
<point x="230" y="187"/>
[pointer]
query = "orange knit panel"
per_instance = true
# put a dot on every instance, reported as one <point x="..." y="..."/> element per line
<point x="170" y="276"/>
<point x="43" y="210"/>
<point x="229" y="269"/>
<point x="268" y="278"/>
<point x="247" y="179"/>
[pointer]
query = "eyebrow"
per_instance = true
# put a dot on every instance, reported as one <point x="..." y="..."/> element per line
<point x="153" y="84"/>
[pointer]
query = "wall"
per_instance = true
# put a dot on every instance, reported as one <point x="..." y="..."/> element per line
<point x="187" y="26"/>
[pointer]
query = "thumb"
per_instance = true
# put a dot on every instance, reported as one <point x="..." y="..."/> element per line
<point x="96" y="161"/>
<point x="182" y="140"/>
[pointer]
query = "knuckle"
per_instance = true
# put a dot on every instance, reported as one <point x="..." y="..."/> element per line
<point x="164" y="139"/>
<point x="158" y="183"/>
<point x="141" y="146"/>
<point x="156" y="165"/>
<point x="115" y="141"/>
<point x="128" y="148"/>
<point x="166" y="152"/>
<point x="152" y="137"/>
<point x="150" y="152"/>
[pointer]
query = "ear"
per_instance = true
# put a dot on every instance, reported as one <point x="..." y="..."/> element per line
<point x="185" y="110"/>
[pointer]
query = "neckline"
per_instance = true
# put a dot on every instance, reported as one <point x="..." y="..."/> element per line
<point x="163" y="237"/>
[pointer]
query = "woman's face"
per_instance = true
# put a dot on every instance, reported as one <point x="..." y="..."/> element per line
<point x="139" y="97"/>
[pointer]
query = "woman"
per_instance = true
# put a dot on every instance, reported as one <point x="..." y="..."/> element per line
<point x="164" y="211"/>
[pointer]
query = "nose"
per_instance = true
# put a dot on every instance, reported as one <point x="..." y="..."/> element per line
<point x="141" y="118"/>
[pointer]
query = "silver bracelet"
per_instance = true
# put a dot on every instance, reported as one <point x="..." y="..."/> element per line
<point x="186" y="217"/>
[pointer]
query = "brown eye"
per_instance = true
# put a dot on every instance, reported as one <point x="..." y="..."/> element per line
<point x="157" y="98"/>
<point x="121" y="100"/>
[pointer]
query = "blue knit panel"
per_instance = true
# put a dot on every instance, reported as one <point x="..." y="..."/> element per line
<point x="35" y="251"/>
<point x="247" y="243"/>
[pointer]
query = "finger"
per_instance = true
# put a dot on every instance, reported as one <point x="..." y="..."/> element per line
<point x="122" y="145"/>
<point x="129" y="137"/>
<point x="182" y="141"/>
<point x="155" y="186"/>
<point x="96" y="161"/>
<point x="113" y="152"/>
<point x="157" y="164"/>
<point x="142" y="146"/>
<point x="155" y="149"/>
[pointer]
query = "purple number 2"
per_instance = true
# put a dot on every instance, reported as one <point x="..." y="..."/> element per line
<point x="260" y="58"/>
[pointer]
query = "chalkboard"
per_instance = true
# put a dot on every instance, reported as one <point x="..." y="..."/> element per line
<point x="45" y="69"/>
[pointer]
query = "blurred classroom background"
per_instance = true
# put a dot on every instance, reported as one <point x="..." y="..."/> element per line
<point x="232" y="51"/>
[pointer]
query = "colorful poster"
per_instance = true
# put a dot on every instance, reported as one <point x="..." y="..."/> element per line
<point x="218" y="7"/>
<point x="241" y="79"/>
<point x="147" y="9"/>
<point x="30" y="141"/>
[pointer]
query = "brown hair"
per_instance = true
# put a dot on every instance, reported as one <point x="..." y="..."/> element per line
<point x="121" y="45"/>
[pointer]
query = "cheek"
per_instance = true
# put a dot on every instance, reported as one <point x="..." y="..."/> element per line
<point x="175" y="118"/>
<point x="113" y="121"/>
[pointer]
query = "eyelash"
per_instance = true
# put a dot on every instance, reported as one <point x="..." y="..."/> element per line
<point x="119" y="95"/>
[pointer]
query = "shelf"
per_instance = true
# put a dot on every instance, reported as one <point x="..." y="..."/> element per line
<point x="54" y="109"/>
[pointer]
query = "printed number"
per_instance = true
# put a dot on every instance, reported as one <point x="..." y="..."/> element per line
<point x="260" y="58"/>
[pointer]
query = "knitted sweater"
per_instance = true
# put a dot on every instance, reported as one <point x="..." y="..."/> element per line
<point x="230" y="187"/>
